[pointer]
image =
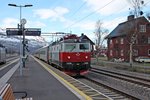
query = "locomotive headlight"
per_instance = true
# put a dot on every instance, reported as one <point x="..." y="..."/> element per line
<point x="68" y="57"/>
<point x="86" y="57"/>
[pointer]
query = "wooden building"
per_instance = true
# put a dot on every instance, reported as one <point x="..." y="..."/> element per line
<point x="135" y="31"/>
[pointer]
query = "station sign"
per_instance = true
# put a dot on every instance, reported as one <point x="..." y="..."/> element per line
<point x="28" y="31"/>
<point x="12" y="31"/>
<point x="33" y="31"/>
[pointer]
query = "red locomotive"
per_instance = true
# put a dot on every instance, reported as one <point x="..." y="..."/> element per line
<point x="71" y="54"/>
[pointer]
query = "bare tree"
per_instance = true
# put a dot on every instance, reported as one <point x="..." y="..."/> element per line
<point x="136" y="5"/>
<point x="100" y="32"/>
<point x="130" y="32"/>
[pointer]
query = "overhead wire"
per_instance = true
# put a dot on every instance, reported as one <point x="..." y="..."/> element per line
<point x="90" y="14"/>
<point x="113" y="14"/>
<point x="78" y="9"/>
<point x="120" y="11"/>
<point x="100" y="9"/>
<point x="147" y="3"/>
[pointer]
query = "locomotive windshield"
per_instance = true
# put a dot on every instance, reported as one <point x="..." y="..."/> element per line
<point x="70" y="47"/>
<point x="78" y="47"/>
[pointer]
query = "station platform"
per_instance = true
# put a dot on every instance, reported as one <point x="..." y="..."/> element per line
<point x="40" y="84"/>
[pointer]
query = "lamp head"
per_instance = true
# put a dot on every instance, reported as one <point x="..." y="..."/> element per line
<point x="12" y="5"/>
<point x="28" y="5"/>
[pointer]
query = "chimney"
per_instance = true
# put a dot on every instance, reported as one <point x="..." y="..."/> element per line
<point x="82" y="34"/>
<point x="130" y="17"/>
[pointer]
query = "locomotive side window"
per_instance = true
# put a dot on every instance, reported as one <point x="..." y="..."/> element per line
<point x="84" y="46"/>
<point x="70" y="47"/>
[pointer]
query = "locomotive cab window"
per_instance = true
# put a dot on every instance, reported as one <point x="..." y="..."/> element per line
<point x="84" y="46"/>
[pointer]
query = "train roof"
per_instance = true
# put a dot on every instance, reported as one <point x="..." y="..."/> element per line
<point x="72" y="38"/>
<point x="41" y="48"/>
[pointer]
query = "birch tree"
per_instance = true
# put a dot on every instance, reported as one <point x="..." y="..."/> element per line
<point x="100" y="33"/>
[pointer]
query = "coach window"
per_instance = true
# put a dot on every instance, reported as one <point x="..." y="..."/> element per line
<point x="57" y="48"/>
<point x="61" y="47"/>
<point x="84" y="46"/>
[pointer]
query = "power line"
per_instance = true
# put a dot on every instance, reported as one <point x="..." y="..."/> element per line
<point x="119" y="12"/>
<point x="113" y="14"/>
<point x="90" y="14"/>
<point x="146" y="3"/>
<point x="78" y="8"/>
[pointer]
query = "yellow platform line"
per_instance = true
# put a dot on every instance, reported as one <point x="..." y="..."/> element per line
<point x="70" y="85"/>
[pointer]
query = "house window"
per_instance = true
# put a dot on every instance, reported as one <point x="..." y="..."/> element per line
<point x="148" y="40"/>
<point x="111" y="53"/>
<point x="135" y="52"/>
<point x="121" y="53"/>
<point x="110" y="41"/>
<point x="144" y="39"/>
<point x="121" y="41"/>
<point x="149" y="52"/>
<point x="142" y="28"/>
<point x="116" y="41"/>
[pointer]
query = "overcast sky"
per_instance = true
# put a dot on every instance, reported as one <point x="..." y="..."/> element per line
<point x="77" y="16"/>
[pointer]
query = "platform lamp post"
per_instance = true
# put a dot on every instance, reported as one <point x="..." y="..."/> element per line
<point x="20" y="6"/>
<point x="21" y="27"/>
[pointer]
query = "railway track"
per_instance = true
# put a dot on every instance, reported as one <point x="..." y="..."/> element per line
<point x="130" y="86"/>
<point x="106" y="90"/>
<point x="133" y="79"/>
<point x="8" y="60"/>
<point x="108" y="85"/>
<point x="11" y="58"/>
<point x="87" y="90"/>
<point x="100" y="93"/>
